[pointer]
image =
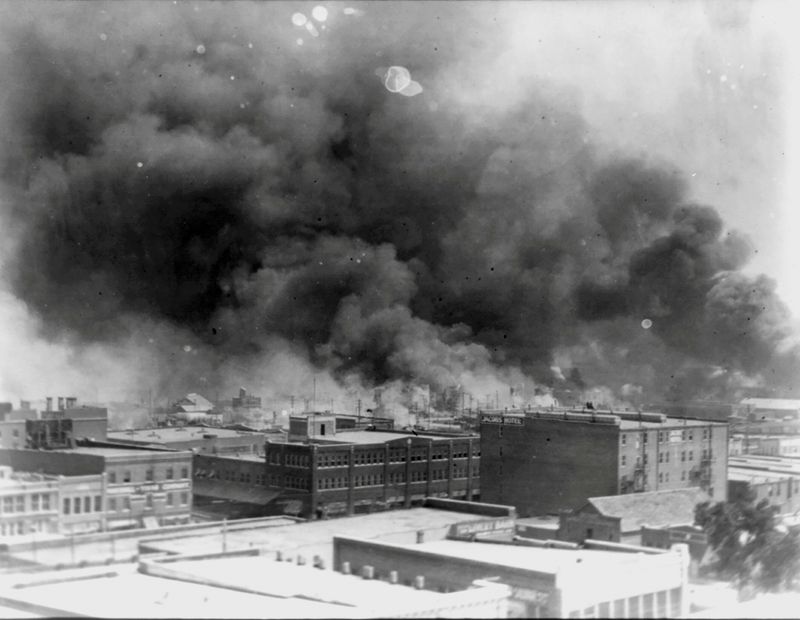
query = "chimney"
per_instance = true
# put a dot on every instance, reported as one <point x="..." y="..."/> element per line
<point x="71" y="402"/>
<point x="368" y="572"/>
<point x="345" y="568"/>
<point x="242" y="393"/>
<point x="49" y="406"/>
<point x="419" y="582"/>
<point x="420" y="536"/>
<point x="393" y="578"/>
<point x="61" y="403"/>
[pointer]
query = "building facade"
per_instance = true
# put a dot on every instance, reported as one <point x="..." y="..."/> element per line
<point x="549" y="582"/>
<point x="135" y="487"/>
<point x="545" y="462"/>
<point x="324" y="472"/>
<point x="28" y="503"/>
<point x="36" y="503"/>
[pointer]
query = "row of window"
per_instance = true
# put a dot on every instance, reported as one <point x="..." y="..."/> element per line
<point x="776" y="488"/>
<point x="124" y="476"/>
<point x="16" y="529"/>
<point x="123" y="504"/>
<point x="398" y="477"/>
<point x="40" y="502"/>
<point x="663" y="457"/>
<point x="297" y="482"/>
<point x="666" y="436"/>
<point x="77" y="505"/>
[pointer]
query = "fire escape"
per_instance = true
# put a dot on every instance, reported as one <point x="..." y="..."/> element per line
<point x="640" y="469"/>
<point x="702" y="473"/>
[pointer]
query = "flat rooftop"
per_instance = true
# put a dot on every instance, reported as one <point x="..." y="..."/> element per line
<point x="316" y="537"/>
<point x="671" y="423"/>
<point x="179" y="434"/>
<point x="348" y="436"/>
<point x="123" y="592"/>
<point x="117" y="452"/>
<point x="785" y="466"/>
<point x="366" y="437"/>
<point x="741" y="474"/>
<point x="288" y="580"/>
<point x="538" y="559"/>
<point x="625" y="423"/>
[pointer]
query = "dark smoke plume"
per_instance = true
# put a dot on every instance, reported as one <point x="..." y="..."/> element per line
<point x="186" y="174"/>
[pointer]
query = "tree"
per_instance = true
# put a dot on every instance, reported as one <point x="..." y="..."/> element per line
<point x="750" y="546"/>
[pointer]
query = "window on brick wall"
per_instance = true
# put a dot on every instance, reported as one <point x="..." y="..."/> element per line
<point x="624" y="460"/>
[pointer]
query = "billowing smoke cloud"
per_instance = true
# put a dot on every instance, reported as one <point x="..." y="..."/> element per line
<point x="212" y="190"/>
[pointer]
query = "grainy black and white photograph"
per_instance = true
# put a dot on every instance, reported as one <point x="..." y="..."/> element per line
<point x="467" y="309"/>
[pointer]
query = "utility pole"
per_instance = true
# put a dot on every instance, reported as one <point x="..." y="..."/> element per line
<point x="291" y="398"/>
<point x="358" y="409"/>
<point x="314" y="394"/>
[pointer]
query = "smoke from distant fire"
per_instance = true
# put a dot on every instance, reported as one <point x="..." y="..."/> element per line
<point x="206" y="196"/>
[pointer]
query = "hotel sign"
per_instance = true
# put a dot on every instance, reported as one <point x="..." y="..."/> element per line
<point x="499" y="419"/>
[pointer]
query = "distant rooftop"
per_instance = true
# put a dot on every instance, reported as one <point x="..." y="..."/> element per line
<point x="348" y="436"/>
<point x="756" y="476"/>
<point x="787" y="404"/>
<point x="627" y="420"/>
<point x="114" y="452"/>
<point x="175" y="434"/>
<point x="315" y="537"/>
<point x="654" y="508"/>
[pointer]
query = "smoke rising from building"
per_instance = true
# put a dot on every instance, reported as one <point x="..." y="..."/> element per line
<point x="201" y="198"/>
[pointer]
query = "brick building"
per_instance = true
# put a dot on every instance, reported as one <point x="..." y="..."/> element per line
<point x="322" y="471"/>
<point x="52" y="428"/>
<point x="545" y="462"/>
<point x="199" y="439"/>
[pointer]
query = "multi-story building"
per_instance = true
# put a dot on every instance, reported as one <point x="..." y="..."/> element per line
<point x="199" y="439"/>
<point x="764" y="444"/>
<point x="37" y="503"/>
<point x="775" y="479"/>
<point x="140" y="488"/>
<point x="772" y="408"/>
<point x="51" y="428"/>
<point x="546" y="461"/>
<point x="593" y="580"/>
<point x="322" y="471"/>
<point x="28" y="503"/>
